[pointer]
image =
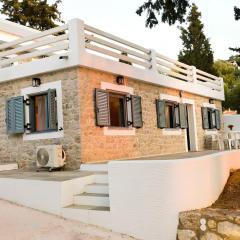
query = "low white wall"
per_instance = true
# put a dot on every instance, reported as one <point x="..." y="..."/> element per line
<point x="146" y="196"/>
<point x="48" y="196"/>
<point x="231" y="120"/>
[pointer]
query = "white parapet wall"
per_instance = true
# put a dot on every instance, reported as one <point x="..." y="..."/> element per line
<point x="146" y="196"/>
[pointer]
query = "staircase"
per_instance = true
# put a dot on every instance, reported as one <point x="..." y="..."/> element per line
<point x="95" y="195"/>
<point x="92" y="204"/>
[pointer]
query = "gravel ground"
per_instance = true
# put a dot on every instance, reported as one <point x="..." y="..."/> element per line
<point x="21" y="223"/>
<point x="229" y="198"/>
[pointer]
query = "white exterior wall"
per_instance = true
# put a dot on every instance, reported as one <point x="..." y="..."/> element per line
<point x="231" y="120"/>
<point x="147" y="196"/>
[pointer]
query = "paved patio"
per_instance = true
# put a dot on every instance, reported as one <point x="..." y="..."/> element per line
<point x="21" y="223"/>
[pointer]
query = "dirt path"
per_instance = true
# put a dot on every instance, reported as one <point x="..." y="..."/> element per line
<point x="20" y="223"/>
<point x="230" y="197"/>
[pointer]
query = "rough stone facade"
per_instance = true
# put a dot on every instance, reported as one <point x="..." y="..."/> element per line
<point x="83" y="140"/>
<point x="209" y="224"/>
<point x="148" y="140"/>
<point x="14" y="149"/>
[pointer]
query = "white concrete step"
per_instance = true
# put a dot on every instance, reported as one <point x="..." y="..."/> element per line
<point x="94" y="167"/>
<point x="101" y="188"/>
<point x="99" y="216"/>
<point x="8" y="166"/>
<point x="101" y="177"/>
<point x="92" y="199"/>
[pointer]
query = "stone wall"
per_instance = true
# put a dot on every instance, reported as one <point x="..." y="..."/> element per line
<point x="209" y="224"/>
<point x="14" y="149"/>
<point x="148" y="140"/>
<point x="82" y="140"/>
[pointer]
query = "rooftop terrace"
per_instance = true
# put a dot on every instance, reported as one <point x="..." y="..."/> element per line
<point x="78" y="44"/>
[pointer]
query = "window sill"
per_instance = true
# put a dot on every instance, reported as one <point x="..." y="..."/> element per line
<point x="211" y="131"/>
<point x="43" y="135"/>
<point x="118" y="131"/>
<point x="172" y="131"/>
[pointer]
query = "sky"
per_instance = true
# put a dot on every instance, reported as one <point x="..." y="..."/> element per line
<point x="119" y="18"/>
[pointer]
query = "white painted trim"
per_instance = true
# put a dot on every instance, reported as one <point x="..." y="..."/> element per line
<point x="43" y="88"/>
<point x="111" y="131"/>
<point x="171" y="132"/>
<point x="209" y="105"/>
<point x="169" y="97"/>
<point x="15" y="28"/>
<point x="8" y="167"/>
<point x="192" y="121"/>
<point x="115" y="87"/>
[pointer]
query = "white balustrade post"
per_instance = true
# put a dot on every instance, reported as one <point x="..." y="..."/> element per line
<point x="76" y="40"/>
<point x="194" y="74"/>
<point x="153" y="60"/>
<point x="222" y="83"/>
<point x="222" y="86"/>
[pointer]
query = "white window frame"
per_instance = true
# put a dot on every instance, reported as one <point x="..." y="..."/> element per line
<point x="117" y="131"/>
<point x="26" y="92"/>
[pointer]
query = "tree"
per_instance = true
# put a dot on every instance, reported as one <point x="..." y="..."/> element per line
<point x="237" y="17"/>
<point x="196" y="47"/>
<point x="237" y="13"/>
<point x="169" y="10"/>
<point x="37" y="14"/>
<point x="231" y="75"/>
<point x="235" y="59"/>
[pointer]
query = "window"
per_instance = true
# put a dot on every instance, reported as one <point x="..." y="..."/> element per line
<point x="171" y="114"/>
<point x="117" y="110"/>
<point x="43" y="112"/>
<point x="211" y="118"/>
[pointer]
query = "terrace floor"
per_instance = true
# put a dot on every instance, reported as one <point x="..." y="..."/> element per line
<point x="178" y="155"/>
<point x="59" y="176"/>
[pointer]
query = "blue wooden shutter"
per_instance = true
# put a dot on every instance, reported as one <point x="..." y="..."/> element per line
<point x="205" y="121"/>
<point x="52" y="110"/>
<point x="137" y="121"/>
<point x="218" y="119"/>
<point x="15" y="116"/>
<point x="102" y="108"/>
<point x="183" y="115"/>
<point x="161" y="119"/>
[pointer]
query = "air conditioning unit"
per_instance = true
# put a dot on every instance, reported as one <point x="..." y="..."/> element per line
<point x="50" y="156"/>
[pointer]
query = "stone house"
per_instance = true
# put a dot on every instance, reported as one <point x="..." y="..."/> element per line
<point x="100" y="96"/>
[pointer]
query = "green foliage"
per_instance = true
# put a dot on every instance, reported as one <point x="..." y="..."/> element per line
<point x="236" y="59"/>
<point x="228" y="71"/>
<point x="37" y="14"/>
<point x="170" y="11"/>
<point x="196" y="47"/>
<point x="237" y="13"/>
<point x="237" y="17"/>
<point x="231" y="75"/>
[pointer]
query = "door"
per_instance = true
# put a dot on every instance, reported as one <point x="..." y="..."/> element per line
<point x="188" y="132"/>
<point x="191" y="130"/>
